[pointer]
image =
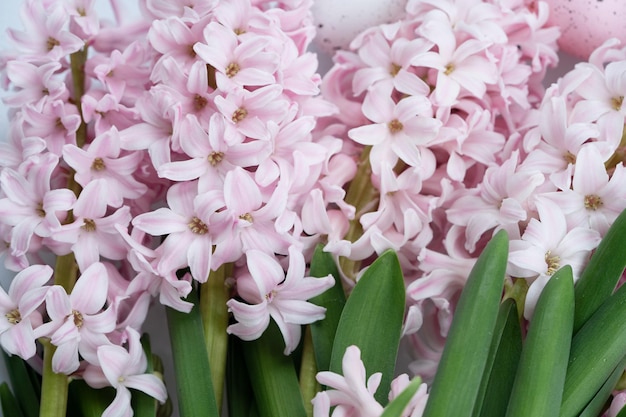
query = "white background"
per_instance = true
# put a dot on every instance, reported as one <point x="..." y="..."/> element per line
<point x="156" y="325"/>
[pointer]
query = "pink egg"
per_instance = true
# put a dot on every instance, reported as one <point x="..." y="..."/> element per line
<point x="586" y="24"/>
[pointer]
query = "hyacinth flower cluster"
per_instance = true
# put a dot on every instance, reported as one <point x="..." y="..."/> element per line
<point x="198" y="150"/>
<point x="459" y="139"/>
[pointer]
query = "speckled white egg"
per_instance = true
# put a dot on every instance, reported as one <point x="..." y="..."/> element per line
<point x="586" y="24"/>
<point x="339" y="21"/>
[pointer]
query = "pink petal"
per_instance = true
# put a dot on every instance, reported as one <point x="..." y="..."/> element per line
<point x="150" y="384"/>
<point x="90" y="291"/>
<point x="65" y="359"/>
<point x="120" y="407"/>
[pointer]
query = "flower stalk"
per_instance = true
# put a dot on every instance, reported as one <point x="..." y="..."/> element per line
<point x="213" y="296"/>
<point x="362" y="195"/>
<point x="54" y="387"/>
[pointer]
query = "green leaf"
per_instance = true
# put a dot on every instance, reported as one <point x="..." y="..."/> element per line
<point x="196" y="397"/>
<point x="86" y="401"/>
<point x="143" y="404"/>
<point x="597" y="404"/>
<point x="622" y="412"/>
<point x="399" y="404"/>
<point x="238" y="388"/>
<point x="372" y="320"/>
<point x="26" y="393"/>
<point x="334" y="299"/>
<point x="273" y="376"/>
<point x="598" y="280"/>
<point x="538" y="386"/>
<point x="10" y="407"/>
<point x="455" y="387"/>
<point x="597" y="349"/>
<point x="504" y="355"/>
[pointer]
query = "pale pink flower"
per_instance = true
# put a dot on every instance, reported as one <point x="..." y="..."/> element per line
<point x="78" y="324"/>
<point x="124" y="74"/>
<point x="250" y="111"/>
<point x="500" y="201"/>
<point x="617" y="404"/>
<point x="103" y="159"/>
<point x="351" y="394"/>
<point x="595" y="200"/>
<point x="210" y="156"/>
<point x="189" y="90"/>
<point x="175" y="39"/>
<point x="34" y="83"/>
<point x="45" y="38"/>
<point x="602" y="98"/>
<point x="238" y="62"/>
<point x="18" y="307"/>
<point x="555" y="154"/>
<point x="276" y="295"/>
<point x="30" y="206"/>
<point x="160" y="114"/>
<point x="546" y="245"/>
<point x="54" y="121"/>
<point x="416" y="406"/>
<point x="461" y="69"/>
<point x="400" y="130"/>
<point x="104" y="111"/>
<point x="247" y="220"/>
<point x="93" y="233"/>
<point x="389" y="64"/>
<point x="189" y="11"/>
<point x="123" y="369"/>
<point x="189" y="228"/>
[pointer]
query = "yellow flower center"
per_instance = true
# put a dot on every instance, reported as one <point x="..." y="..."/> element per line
<point x="13" y="316"/>
<point x="98" y="164"/>
<point x="215" y="158"/>
<point x="88" y="225"/>
<point x="239" y="114"/>
<point x="593" y="202"/>
<point x="197" y="226"/>
<point x="553" y="262"/>
<point x="395" y="126"/>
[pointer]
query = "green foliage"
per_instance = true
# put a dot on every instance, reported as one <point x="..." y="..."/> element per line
<point x="372" y="320"/>
<point x="456" y="385"/>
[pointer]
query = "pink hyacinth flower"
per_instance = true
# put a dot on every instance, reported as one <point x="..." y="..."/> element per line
<point x="276" y="295"/>
<point x="123" y="369"/>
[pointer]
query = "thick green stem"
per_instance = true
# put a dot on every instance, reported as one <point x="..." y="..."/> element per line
<point x="308" y="369"/>
<point x="77" y="64"/>
<point x="213" y="297"/>
<point x="54" y="386"/>
<point x="362" y="195"/>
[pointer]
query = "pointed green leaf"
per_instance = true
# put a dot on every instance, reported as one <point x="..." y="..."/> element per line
<point x="26" y="394"/>
<point x="193" y="373"/>
<point x="399" y="404"/>
<point x="273" y="376"/>
<point x="238" y="388"/>
<point x="372" y="320"/>
<point x="86" y="401"/>
<point x="143" y="404"/>
<point x="9" y="404"/>
<point x="595" y="406"/>
<point x="597" y="349"/>
<point x="622" y="412"/>
<point x="598" y="280"/>
<point x="538" y="386"/>
<point x="455" y="387"/>
<point x="504" y="355"/>
<point x="334" y="299"/>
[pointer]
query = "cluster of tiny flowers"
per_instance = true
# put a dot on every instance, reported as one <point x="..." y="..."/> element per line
<point x="178" y="142"/>
<point x="463" y="140"/>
